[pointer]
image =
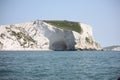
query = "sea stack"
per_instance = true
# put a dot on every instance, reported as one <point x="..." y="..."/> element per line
<point x="47" y="35"/>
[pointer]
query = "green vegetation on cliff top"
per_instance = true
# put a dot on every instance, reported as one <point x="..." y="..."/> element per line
<point x="66" y="25"/>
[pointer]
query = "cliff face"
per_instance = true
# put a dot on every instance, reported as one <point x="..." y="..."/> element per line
<point x="43" y="35"/>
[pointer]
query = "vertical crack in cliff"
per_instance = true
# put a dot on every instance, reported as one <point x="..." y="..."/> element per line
<point x="1" y="45"/>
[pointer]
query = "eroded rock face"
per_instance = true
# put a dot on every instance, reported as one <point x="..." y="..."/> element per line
<point x="22" y="37"/>
<point x="39" y="35"/>
<point x="85" y="41"/>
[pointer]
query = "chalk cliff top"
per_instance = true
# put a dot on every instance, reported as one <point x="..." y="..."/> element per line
<point x="66" y="25"/>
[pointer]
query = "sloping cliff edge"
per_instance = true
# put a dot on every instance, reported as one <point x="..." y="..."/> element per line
<point x="46" y="35"/>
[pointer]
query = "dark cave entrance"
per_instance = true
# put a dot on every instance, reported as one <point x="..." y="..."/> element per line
<point x="59" y="46"/>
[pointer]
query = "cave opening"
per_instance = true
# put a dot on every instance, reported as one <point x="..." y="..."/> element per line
<point x="59" y="46"/>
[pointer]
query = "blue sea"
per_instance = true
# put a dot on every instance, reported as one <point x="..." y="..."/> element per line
<point x="59" y="65"/>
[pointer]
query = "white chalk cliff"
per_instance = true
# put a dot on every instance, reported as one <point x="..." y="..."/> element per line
<point x="40" y="35"/>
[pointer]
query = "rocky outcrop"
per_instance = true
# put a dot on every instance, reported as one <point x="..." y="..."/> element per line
<point x="41" y="35"/>
<point x="112" y="48"/>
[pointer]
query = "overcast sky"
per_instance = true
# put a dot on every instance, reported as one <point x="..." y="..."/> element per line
<point x="102" y="15"/>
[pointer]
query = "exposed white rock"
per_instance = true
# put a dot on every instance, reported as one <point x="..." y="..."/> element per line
<point x="117" y="49"/>
<point x="39" y="35"/>
<point x="85" y="40"/>
<point x="112" y="48"/>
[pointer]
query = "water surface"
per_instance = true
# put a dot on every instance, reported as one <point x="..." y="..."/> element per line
<point x="59" y="65"/>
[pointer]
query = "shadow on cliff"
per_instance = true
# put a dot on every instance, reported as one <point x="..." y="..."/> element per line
<point x="59" y="39"/>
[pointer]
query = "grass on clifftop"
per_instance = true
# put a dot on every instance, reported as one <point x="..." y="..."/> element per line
<point x="66" y="25"/>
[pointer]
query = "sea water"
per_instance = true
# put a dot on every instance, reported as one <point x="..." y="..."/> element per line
<point x="59" y="65"/>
